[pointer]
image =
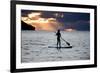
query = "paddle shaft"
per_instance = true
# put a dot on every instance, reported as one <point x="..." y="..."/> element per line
<point x="66" y="41"/>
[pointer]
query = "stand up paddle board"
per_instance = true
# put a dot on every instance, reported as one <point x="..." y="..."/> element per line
<point x="60" y="47"/>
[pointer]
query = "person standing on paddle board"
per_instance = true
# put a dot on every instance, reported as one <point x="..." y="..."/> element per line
<point x="58" y="34"/>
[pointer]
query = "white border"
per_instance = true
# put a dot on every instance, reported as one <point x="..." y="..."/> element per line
<point x="20" y="65"/>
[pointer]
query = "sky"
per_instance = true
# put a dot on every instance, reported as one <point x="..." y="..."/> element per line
<point x="51" y="20"/>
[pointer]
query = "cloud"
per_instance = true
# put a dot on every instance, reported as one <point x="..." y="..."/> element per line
<point x="35" y="19"/>
<point x="35" y="15"/>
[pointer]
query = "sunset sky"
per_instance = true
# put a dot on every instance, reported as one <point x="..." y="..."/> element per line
<point x="51" y="21"/>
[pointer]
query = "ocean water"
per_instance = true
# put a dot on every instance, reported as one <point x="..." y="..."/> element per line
<point x="35" y="44"/>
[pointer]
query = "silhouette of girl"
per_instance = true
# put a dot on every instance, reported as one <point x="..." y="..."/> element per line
<point x="58" y="34"/>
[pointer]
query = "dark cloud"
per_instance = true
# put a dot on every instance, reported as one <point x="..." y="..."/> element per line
<point x="79" y="25"/>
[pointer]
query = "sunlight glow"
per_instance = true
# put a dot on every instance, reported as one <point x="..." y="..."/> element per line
<point x="69" y="29"/>
<point x="35" y="19"/>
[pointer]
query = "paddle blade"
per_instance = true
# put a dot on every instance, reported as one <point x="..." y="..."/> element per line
<point x="68" y="43"/>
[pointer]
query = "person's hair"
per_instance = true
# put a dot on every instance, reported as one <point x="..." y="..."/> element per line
<point x="58" y="30"/>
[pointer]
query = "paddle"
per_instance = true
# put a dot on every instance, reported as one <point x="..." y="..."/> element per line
<point x="66" y="41"/>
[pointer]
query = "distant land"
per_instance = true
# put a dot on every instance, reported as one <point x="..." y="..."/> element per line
<point x="25" y="26"/>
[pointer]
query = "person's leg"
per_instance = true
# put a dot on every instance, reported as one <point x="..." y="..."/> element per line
<point x="57" y="44"/>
